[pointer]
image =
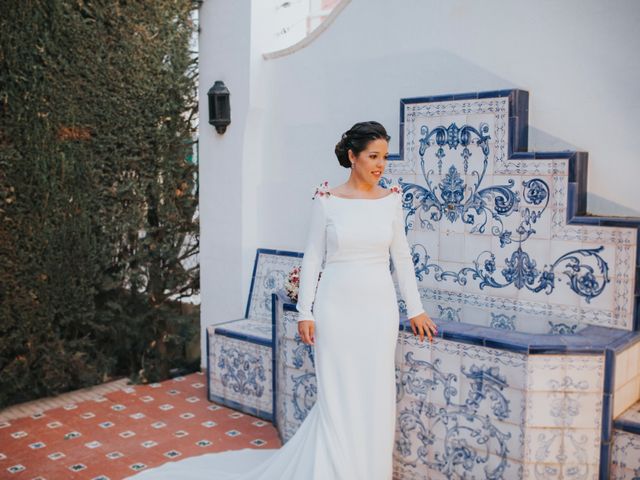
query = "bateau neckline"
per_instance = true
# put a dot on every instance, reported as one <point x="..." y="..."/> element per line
<point x="369" y="199"/>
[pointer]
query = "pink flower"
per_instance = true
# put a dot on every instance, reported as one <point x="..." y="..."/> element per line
<point x="322" y="190"/>
<point x="292" y="283"/>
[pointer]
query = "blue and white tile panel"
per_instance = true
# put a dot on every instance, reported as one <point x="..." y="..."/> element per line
<point x="240" y="375"/>
<point x="467" y="411"/>
<point x="271" y="272"/>
<point x="295" y="378"/>
<point x="564" y="412"/>
<point x="625" y="464"/>
<point x="625" y="455"/>
<point x="460" y="412"/>
<point x="486" y="228"/>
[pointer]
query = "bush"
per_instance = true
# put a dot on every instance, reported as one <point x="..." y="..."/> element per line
<point x="98" y="192"/>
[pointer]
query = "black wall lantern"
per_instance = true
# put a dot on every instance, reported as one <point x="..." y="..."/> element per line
<point x="219" y="109"/>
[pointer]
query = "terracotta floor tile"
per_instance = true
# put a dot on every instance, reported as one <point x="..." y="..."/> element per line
<point x="189" y="428"/>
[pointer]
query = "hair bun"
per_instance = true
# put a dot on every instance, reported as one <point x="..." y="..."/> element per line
<point x="357" y="138"/>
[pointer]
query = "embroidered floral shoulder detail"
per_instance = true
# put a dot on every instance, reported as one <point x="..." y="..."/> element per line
<point x="322" y="190"/>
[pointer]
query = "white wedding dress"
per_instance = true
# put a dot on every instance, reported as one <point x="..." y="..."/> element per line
<point x="349" y="432"/>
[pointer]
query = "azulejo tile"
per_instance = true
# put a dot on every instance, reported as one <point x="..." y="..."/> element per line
<point x="545" y="409"/>
<point x="564" y="409"/>
<point x="459" y="176"/>
<point x="289" y="324"/>
<point x="626" y="452"/>
<point x="231" y="381"/>
<point x="296" y="409"/>
<point x="509" y="367"/>
<point x="297" y="354"/>
<point x="248" y="327"/>
<point x="271" y="274"/>
<point x="452" y="457"/>
<point x="542" y="471"/>
<point x="578" y="373"/>
<point x="506" y="404"/>
<point x="434" y="406"/>
<point x="516" y="439"/>
<point x="582" y="446"/>
<point x="618" y="473"/>
<point x="585" y="373"/>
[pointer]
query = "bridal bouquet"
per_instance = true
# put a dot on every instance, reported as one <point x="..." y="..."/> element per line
<point x="292" y="283"/>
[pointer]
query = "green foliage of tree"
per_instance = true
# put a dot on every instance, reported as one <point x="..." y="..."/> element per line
<point x="98" y="198"/>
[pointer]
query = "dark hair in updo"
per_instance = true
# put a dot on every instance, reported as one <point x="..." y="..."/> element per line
<point x="357" y="138"/>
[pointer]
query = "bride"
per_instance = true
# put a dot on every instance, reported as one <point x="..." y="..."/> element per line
<point x="355" y="229"/>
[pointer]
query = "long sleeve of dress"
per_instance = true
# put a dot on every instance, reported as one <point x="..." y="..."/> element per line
<point x="312" y="260"/>
<point x="403" y="264"/>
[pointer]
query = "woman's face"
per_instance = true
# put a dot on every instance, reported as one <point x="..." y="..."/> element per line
<point x="369" y="165"/>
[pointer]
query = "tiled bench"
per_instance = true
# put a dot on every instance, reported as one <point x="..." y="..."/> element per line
<point x="239" y="352"/>
<point x="535" y="373"/>
<point x="625" y="455"/>
<point x="626" y="445"/>
<point x="501" y="380"/>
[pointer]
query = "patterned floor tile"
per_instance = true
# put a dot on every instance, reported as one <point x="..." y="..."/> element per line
<point x="137" y="427"/>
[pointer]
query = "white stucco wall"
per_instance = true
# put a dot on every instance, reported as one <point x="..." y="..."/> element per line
<point x="224" y="54"/>
<point x="577" y="58"/>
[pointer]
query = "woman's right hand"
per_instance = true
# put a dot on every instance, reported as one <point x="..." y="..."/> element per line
<point x="306" y="329"/>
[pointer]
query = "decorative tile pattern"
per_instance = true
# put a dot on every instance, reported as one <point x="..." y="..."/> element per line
<point x="467" y="411"/>
<point x="625" y="464"/>
<point x="460" y="410"/>
<point x="271" y="272"/>
<point x="565" y="373"/>
<point x="564" y="411"/>
<point x="240" y="375"/>
<point x="44" y="450"/>
<point x="295" y="378"/>
<point x="485" y="225"/>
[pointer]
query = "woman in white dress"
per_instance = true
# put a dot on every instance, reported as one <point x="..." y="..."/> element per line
<point x="348" y="434"/>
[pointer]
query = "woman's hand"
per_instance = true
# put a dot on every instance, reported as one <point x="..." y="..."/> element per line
<point x="306" y="329"/>
<point x="422" y="323"/>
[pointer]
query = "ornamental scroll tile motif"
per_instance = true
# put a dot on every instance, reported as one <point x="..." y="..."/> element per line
<point x="304" y="394"/>
<point x="242" y="371"/>
<point x="468" y="436"/>
<point x="460" y="196"/>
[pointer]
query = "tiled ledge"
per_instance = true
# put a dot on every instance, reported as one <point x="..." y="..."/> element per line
<point x="591" y="339"/>
<point x="629" y="421"/>
<point x="37" y="406"/>
<point x="247" y="330"/>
